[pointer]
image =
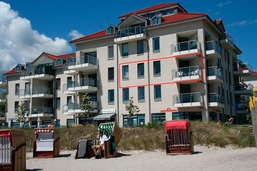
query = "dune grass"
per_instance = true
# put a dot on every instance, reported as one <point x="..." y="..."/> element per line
<point x="152" y="137"/>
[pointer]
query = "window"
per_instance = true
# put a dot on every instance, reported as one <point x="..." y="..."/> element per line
<point x="58" y="103"/>
<point x="110" y="30"/>
<point x="16" y="106"/>
<point x="157" y="92"/>
<point x="158" y="118"/>
<point x="140" y="47"/>
<point x="157" y="68"/>
<point x="140" y="70"/>
<point x="111" y="96"/>
<point x="138" y="119"/>
<point x="125" y="93"/>
<point x="110" y="52"/>
<point x="156" y="44"/>
<point x="58" y="83"/>
<point x="141" y="94"/>
<point x="17" y="89"/>
<point x="111" y="74"/>
<point x="125" y="72"/>
<point x="28" y="66"/>
<point x="124" y="49"/>
<point x="71" y="60"/>
<point x="27" y="89"/>
<point x="58" y="62"/>
<point x="156" y="20"/>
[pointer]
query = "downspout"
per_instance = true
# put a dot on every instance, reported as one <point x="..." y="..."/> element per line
<point x="148" y="81"/>
<point x="117" y="85"/>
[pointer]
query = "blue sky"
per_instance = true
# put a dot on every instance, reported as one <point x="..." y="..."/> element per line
<point x="29" y="27"/>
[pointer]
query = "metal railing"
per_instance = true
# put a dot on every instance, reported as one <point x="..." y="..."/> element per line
<point x="130" y="31"/>
<point x="40" y="70"/>
<point x="24" y="92"/>
<point x="42" y="109"/>
<point x="214" y="97"/>
<point x="83" y="82"/>
<point x="187" y="98"/>
<point x="214" y="71"/>
<point x="42" y="90"/>
<point x="186" y="71"/>
<point x="244" y="87"/>
<point x="187" y="45"/>
<point x="228" y="37"/>
<point x="212" y="45"/>
<point x="88" y="59"/>
<point x="77" y="106"/>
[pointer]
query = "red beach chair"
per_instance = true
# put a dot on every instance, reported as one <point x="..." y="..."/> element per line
<point x="179" y="139"/>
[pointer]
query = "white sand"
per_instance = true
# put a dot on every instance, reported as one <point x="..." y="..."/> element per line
<point x="204" y="158"/>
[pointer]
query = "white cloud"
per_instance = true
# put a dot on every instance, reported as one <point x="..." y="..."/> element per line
<point x="243" y="23"/>
<point x="20" y="43"/>
<point x="74" y="34"/>
<point x="223" y="3"/>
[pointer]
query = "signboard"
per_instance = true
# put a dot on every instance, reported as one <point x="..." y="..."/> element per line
<point x="104" y="111"/>
<point x="169" y="110"/>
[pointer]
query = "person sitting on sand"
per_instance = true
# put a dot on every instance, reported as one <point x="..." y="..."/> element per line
<point x="97" y="148"/>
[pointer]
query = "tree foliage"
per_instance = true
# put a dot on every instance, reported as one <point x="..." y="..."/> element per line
<point x="131" y="108"/>
<point x="87" y="105"/>
<point x="21" y="113"/>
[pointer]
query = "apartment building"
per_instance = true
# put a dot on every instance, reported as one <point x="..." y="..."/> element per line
<point x="173" y="63"/>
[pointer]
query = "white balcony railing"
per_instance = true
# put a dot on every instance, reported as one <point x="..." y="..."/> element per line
<point x="191" y="72"/>
<point x="185" y="46"/>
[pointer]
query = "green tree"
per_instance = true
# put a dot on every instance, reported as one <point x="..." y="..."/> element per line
<point x="131" y="109"/>
<point x="21" y="114"/>
<point x="86" y="106"/>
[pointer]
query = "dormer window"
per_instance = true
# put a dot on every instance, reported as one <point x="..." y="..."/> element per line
<point x="110" y="30"/>
<point x="58" y="62"/>
<point x="156" y="20"/>
<point x="19" y="67"/>
<point x="28" y="66"/>
<point x="71" y="60"/>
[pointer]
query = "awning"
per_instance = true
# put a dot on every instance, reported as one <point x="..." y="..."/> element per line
<point x="103" y="117"/>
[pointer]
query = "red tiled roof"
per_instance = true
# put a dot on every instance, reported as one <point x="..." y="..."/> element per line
<point x="91" y="36"/>
<point x="66" y="56"/>
<point x="54" y="57"/>
<point x="152" y="8"/>
<point x="168" y="19"/>
<point x="181" y="17"/>
<point x="13" y="71"/>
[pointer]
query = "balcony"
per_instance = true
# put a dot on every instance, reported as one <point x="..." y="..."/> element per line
<point x="3" y="82"/>
<point x="74" y="108"/>
<point x="67" y="88"/>
<point x="214" y="74"/>
<point x="43" y="73"/>
<point x="243" y="69"/>
<point x="130" y="34"/>
<point x="213" y="49"/>
<point x="186" y="74"/>
<point x="41" y="111"/>
<point x="88" y="85"/>
<point x="188" y="100"/>
<point x="184" y="48"/>
<point x="42" y="92"/>
<point x="244" y="89"/>
<point x="240" y="109"/>
<point x="215" y="100"/>
<point x="86" y="63"/>
<point x="227" y="41"/>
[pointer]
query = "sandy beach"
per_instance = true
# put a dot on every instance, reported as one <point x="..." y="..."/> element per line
<point x="204" y="158"/>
